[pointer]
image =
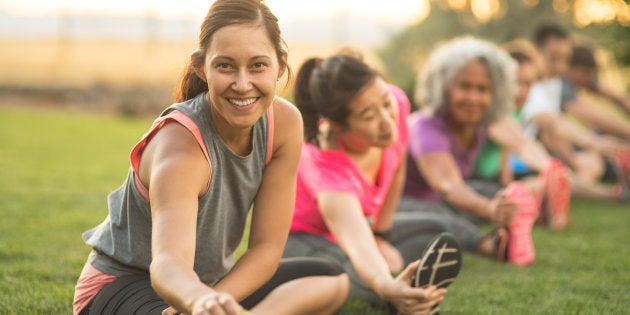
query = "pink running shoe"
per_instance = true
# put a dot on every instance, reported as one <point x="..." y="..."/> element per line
<point x="621" y="166"/>
<point x="556" y="198"/>
<point x="520" y="247"/>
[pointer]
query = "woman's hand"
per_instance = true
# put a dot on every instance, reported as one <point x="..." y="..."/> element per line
<point x="411" y="300"/>
<point x="609" y="145"/>
<point x="502" y="210"/>
<point x="391" y="255"/>
<point x="216" y="303"/>
<point x="171" y="311"/>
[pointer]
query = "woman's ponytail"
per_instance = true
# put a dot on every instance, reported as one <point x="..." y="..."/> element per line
<point x="304" y="101"/>
<point x="190" y="85"/>
<point x="325" y="88"/>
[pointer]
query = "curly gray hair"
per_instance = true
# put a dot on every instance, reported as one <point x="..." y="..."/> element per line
<point x="447" y="59"/>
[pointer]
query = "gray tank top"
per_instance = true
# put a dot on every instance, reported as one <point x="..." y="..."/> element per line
<point x="122" y="243"/>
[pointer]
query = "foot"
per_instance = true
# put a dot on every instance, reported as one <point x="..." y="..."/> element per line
<point x="621" y="167"/>
<point x="622" y="193"/>
<point x="441" y="262"/>
<point x="555" y="205"/>
<point x="520" y="246"/>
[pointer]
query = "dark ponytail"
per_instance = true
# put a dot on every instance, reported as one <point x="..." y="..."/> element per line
<point x="324" y="89"/>
<point x="189" y="84"/>
<point x="304" y="101"/>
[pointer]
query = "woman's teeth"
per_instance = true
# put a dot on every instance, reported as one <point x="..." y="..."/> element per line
<point x="242" y="102"/>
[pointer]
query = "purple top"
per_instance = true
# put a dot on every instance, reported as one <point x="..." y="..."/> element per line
<point x="432" y="134"/>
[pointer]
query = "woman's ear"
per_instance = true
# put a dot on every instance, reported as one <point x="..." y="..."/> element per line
<point x="335" y="127"/>
<point x="283" y="65"/>
<point x="197" y="62"/>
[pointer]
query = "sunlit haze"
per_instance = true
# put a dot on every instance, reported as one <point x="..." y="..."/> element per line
<point x="391" y="11"/>
<point x="57" y="40"/>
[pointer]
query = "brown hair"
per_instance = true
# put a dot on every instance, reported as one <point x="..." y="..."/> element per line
<point x="524" y="52"/>
<point x="224" y="13"/>
<point x="547" y="30"/>
<point x="583" y="55"/>
<point x="324" y="89"/>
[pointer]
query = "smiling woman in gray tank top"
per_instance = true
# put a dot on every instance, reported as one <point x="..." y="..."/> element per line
<point x="168" y="243"/>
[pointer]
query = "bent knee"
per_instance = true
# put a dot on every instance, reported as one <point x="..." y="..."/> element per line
<point x="342" y="290"/>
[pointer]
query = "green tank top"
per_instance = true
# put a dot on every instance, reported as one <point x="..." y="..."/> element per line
<point x="488" y="163"/>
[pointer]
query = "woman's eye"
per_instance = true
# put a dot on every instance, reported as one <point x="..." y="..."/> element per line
<point x="259" y="65"/>
<point x="223" y="66"/>
<point x="368" y="116"/>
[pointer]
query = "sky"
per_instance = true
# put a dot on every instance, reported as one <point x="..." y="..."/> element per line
<point x="394" y="12"/>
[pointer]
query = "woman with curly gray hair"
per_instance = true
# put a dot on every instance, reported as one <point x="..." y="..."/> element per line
<point x="466" y="84"/>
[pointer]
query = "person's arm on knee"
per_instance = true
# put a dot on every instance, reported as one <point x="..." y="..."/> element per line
<point x="344" y="218"/>
<point x="384" y="219"/>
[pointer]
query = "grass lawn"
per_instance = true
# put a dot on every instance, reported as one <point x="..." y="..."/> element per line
<point x="57" y="168"/>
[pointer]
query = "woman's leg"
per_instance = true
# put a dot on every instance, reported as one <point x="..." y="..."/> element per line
<point x="413" y="231"/>
<point x="309" y="295"/>
<point x="304" y="244"/>
<point x="486" y="188"/>
<point x="131" y="294"/>
<point x="301" y="285"/>
<point x="436" y="216"/>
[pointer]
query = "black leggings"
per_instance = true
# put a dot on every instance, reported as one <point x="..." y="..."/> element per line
<point x="411" y="233"/>
<point x="133" y="294"/>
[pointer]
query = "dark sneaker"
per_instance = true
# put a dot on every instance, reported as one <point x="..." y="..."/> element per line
<point x="441" y="262"/>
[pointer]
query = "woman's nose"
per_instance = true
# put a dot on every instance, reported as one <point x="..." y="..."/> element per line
<point x="241" y="82"/>
<point x="387" y="118"/>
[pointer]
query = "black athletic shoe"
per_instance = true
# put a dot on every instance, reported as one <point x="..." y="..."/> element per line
<point x="441" y="262"/>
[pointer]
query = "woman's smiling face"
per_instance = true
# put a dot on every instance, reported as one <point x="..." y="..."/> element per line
<point x="242" y="70"/>
<point x="469" y="94"/>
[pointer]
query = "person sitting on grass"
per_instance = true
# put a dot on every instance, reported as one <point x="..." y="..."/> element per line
<point x="556" y="45"/>
<point x="508" y="154"/>
<point x="465" y="85"/>
<point x="350" y="178"/>
<point x="592" y="157"/>
<point x="583" y="75"/>
<point x="169" y="241"/>
<point x="526" y="158"/>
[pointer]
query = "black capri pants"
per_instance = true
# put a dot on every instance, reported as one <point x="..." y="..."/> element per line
<point x="133" y="294"/>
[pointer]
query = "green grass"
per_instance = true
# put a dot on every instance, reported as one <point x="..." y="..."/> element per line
<point x="57" y="168"/>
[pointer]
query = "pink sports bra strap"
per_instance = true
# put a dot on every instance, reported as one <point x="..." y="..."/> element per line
<point x="270" y="120"/>
<point x="138" y="149"/>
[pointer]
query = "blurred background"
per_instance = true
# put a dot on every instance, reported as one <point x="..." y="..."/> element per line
<point x="125" y="56"/>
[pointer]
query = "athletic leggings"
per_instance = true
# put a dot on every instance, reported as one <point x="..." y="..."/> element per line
<point x="411" y="233"/>
<point x="415" y="225"/>
<point x="133" y="294"/>
<point x="462" y="224"/>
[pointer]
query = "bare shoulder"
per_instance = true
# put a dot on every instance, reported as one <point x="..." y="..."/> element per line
<point x="174" y="150"/>
<point x="288" y="119"/>
<point x="288" y="129"/>
<point x="286" y="113"/>
<point x="174" y="136"/>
